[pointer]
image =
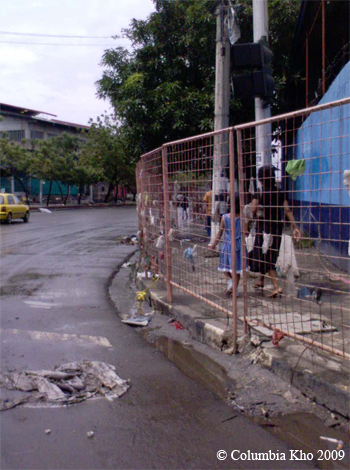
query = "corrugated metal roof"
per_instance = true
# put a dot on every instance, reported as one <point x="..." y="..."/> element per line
<point x="24" y="111"/>
<point x="69" y="124"/>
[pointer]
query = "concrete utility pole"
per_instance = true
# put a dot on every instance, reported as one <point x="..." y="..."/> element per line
<point x="222" y="104"/>
<point x="263" y="133"/>
<point x="41" y="192"/>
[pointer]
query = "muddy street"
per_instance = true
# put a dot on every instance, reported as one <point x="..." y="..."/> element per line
<point x="55" y="310"/>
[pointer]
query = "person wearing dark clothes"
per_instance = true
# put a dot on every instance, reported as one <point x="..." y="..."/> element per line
<point x="269" y="228"/>
<point x="184" y="206"/>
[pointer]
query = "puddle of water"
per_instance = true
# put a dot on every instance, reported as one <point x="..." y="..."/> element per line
<point x="303" y="430"/>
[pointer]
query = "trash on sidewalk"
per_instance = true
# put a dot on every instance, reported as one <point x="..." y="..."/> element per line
<point x="141" y="295"/>
<point x="160" y="242"/>
<point x="255" y="340"/>
<point x="277" y="336"/>
<point x="46" y="211"/>
<point x="126" y="265"/>
<point x="177" y="324"/>
<point x="189" y="255"/>
<point x="129" y="240"/>
<point x="137" y="321"/>
<point x="143" y="275"/>
<point x="90" y="434"/>
<point x="70" y="383"/>
<point x="171" y="234"/>
<point x="47" y="431"/>
<point x="339" y="443"/>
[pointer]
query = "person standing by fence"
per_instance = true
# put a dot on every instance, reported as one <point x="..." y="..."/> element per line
<point x="269" y="229"/>
<point x="225" y="260"/>
<point x="208" y="197"/>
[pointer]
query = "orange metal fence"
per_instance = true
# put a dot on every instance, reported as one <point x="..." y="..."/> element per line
<point x="220" y="220"/>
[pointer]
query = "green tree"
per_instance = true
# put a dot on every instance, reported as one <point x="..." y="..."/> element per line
<point x="164" y="89"/>
<point x="59" y="160"/>
<point x="43" y="162"/>
<point x="104" y="150"/>
<point x="15" y="161"/>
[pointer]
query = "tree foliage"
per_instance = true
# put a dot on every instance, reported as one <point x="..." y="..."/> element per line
<point x="104" y="150"/>
<point x="59" y="159"/>
<point x="164" y="89"/>
<point x="15" y="161"/>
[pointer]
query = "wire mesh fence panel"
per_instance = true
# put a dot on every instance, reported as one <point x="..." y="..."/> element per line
<point x="151" y="212"/>
<point x="294" y="194"/>
<point x="198" y="172"/>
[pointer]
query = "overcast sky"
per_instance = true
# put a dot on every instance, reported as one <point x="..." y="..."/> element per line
<point x="60" y="79"/>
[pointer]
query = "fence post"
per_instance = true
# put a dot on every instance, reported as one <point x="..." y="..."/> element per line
<point x="167" y="222"/>
<point x="233" y="238"/>
<point x="243" y="229"/>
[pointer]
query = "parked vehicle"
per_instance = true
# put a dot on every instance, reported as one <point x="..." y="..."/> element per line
<point x="12" y="208"/>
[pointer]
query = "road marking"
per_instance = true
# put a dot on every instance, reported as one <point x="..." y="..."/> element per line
<point x="49" y="336"/>
<point x="38" y="304"/>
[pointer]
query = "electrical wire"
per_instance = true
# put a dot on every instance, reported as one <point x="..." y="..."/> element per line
<point x="58" y="35"/>
<point x="61" y="44"/>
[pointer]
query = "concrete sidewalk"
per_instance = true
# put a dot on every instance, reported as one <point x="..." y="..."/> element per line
<point x="321" y="377"/>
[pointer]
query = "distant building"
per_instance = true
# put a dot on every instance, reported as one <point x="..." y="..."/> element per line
<point x="26" y="124"/>
<point x="22" y="123"/>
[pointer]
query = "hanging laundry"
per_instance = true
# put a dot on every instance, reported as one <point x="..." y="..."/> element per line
<point x="295" y="168"/>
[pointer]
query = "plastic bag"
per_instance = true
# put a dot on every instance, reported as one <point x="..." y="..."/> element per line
<point x="250" y="241"/>
<point x="152" y="218"/>
<point x="267" y="242"/>
<point x="290" y="285"/>
<point x="160" y="242"/>
<point x="171" y="234"/>
<point x="286" y="256"/>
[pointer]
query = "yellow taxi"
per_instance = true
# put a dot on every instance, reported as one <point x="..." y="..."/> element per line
<point x="12" y="208"/>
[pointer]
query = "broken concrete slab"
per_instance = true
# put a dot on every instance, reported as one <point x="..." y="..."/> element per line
<point x="70" y="383"/>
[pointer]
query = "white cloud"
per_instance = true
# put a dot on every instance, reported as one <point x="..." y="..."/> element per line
<point x="16" y="56"/>
<point x="60" y="80"/>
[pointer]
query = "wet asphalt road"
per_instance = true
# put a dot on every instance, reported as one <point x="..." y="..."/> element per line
<point x="54" y="278"/>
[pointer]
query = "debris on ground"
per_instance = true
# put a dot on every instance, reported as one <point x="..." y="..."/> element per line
<point x="289" y="397"/>
<point x="129" y="240"/>
<point x="339" y="443"/>
<point x="313" y="293"/>
<point x="90" y="434"/>
<point x="70" y="383"/>
<point x="7" y="404"/>
<point x="46" y="211"/>
<point x="144" y="276"/>
<point x="237" y="406"/>
<point x="277" y="336"/>
<point x="255" y="340"/>
<point x="126" y="265"/>
<point x="177" y="324"/>
<point x="137" y="321"/>
<point x="47" y="431"/>
<point x="141" y="295"/>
